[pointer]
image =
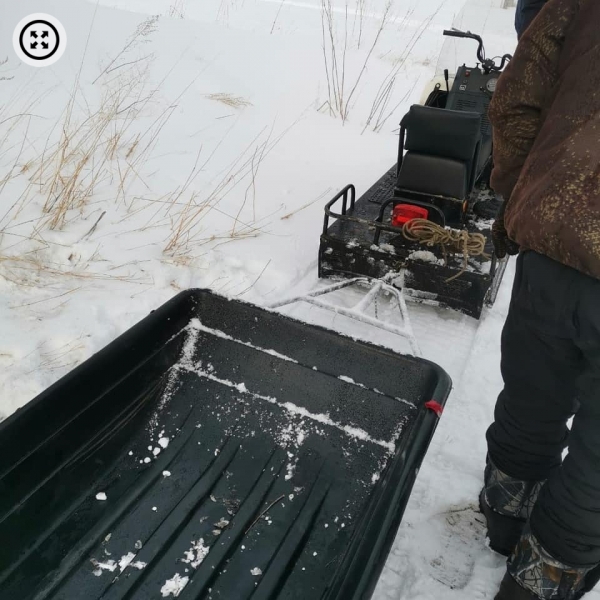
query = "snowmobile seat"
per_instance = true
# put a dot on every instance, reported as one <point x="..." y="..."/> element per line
<point x="442" y="152"/>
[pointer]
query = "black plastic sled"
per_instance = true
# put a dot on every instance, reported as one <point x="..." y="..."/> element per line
<point x="215" y="450"/>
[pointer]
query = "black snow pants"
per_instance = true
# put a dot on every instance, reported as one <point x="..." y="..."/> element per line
<point x="551" y="370"/>
<point x="527" y="11"/>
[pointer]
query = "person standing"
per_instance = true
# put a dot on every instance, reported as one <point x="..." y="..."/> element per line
<point x="542" y="512"/>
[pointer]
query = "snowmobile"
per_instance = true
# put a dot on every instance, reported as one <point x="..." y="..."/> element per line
<point x="429" y="217"/>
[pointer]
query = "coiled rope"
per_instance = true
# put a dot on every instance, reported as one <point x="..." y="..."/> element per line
<point x="453" y="240"/>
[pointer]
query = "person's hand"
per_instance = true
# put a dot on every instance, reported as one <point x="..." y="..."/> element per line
<point x="503" y="245"/>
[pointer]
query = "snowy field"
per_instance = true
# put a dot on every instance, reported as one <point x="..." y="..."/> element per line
<point x="193" y="143"/>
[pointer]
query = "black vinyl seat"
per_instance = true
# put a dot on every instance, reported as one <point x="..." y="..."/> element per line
<point x="442" y="152"/>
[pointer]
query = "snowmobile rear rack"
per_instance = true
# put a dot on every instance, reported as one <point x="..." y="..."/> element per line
<point x="353" y="246"/>
<point x="215" y="450"/>
<point x="378" y="225"/>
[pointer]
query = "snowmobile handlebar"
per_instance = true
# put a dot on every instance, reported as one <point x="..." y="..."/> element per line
<point x="489" y="64"/>
<point x="462" y="34"/>
<point x="468" y="35"/>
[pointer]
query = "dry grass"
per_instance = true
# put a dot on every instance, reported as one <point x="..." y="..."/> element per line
<point x="14" y="128"/>
<point x="14" y="143"/>
<point x="3" y="64"/>
<point x="186" y="226"/>
<point x="340" y="89"/>
<point x="142" y="145"/>
<point x="277" y="16"/>
<point x="177" y="10"/>
<point x="86" y="156"/>
<point x="98" y="145"/>
<point x="229" y="100"/>
<point x="326" y="194"/>
<point x="256" y="280"/>
<point x="226" y="7"/>
<point x="55" y="270"/>
<point x="62" y="358"/>
<point x="140" y="36"/>
<point x="14" y="169"/>
<point x="187" y="230"/>
<point x="33" y="270"/>
<point x="84" y="150"/>
<point x="380" y="110"/>
<point x="359" y="18"/>
<point x="94" y="145"/>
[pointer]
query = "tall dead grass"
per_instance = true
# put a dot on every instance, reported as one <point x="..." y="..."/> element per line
<point x="85" y="149"/>
<point x="69" y="172"/>
<point x="359" y="19"/>
<point x="341" y="87"/>
<point x="140" y="36"/>
<point x="381" y="111"/>
<point x="186" y="226"/>
<point x="230" y="100"/>
<point x="177" y="10"/>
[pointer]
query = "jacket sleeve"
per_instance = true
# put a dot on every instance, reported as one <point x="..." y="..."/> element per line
<point x="524" y="91"/>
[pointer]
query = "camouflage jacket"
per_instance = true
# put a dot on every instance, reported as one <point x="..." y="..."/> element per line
<point x="546" y="119"/>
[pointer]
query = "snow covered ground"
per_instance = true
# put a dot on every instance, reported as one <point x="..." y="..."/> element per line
<point x="199" y="144"/>
<point x="193" y="143"/>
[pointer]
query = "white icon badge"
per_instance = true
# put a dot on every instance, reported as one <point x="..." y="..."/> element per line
<point x="39" y="40"/>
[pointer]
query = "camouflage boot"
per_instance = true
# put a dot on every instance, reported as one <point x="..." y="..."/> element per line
<point x="506" y="503"/>
<point x="533" y="574"/>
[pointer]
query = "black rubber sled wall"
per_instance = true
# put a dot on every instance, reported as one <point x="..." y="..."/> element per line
<point x="215" y="450"/>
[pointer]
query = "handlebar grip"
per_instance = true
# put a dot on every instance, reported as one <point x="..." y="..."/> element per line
<point x="454" y="33"/>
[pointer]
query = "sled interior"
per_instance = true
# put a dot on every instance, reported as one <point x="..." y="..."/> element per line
<point x="214" y="450"/>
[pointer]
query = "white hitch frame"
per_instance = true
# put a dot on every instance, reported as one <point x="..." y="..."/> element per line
<point x="358" y="311"/>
